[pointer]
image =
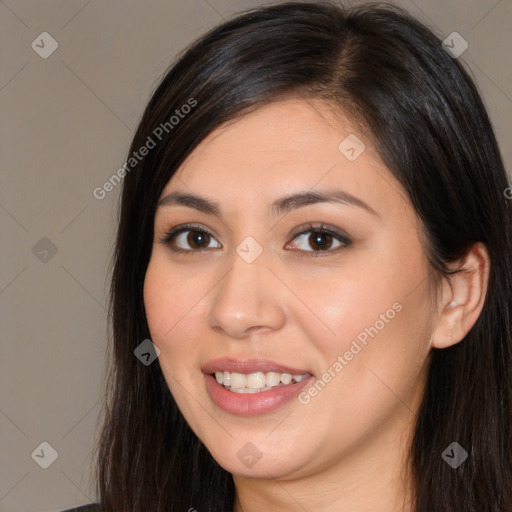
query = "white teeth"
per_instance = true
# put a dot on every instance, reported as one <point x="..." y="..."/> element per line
<point x="256" y="381"/>
<point x="273" y="378"/>
<point x="238" y="380"/>
<point x="286" y="378"/>
<point x="245" y="390"/>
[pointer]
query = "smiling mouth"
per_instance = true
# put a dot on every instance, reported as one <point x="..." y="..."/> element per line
<point x="256" y="382"/>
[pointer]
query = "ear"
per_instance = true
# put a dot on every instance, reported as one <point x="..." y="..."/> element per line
<point x="463" y="296"/>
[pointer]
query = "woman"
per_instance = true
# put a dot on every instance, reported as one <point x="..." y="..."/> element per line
<point x="312" y="280"/>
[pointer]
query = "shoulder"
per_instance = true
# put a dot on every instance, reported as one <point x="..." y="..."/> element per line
<point x="93" y="507"/>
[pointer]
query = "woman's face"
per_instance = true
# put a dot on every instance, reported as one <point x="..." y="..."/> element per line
<point x="260" y="288"/>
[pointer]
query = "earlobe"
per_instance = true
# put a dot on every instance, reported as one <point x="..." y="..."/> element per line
<point x="463" y="297"/>
<point x="450" y="329"/>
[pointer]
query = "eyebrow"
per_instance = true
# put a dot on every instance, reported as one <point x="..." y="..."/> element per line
<point x="278" y="208"/>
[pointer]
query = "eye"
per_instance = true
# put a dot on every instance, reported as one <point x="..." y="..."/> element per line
<point x="320" y="239"/>
<point x="196" y="238"/>
<point x="193" y="238"/>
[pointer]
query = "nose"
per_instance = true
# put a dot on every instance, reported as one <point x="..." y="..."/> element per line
<point x="247" y="300"/>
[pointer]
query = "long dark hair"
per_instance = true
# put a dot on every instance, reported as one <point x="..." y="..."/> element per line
<point x="391" y="74"/>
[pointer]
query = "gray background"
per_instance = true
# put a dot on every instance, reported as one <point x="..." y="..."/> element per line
<point x="66" y="126"/>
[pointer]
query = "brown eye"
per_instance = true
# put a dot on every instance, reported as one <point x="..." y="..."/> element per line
<point x="196" y="239"/>
<point x="189" y="239"/>
<point x="317" y="239"/>
<point x="321" y="241"/>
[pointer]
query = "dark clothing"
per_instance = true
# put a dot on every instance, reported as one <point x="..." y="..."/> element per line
<point x="84" y="508"/>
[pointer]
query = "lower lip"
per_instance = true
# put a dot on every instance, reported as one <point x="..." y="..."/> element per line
<point x="252" y="404"/>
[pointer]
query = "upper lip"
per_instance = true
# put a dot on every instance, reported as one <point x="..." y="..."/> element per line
<point x="249" y="366"/>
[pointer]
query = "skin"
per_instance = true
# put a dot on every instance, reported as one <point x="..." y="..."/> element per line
<point x="347" y="448"/>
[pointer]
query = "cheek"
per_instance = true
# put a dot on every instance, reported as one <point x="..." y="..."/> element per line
<point x="169" y="304"/>
<point x="372" y="362"/>
<point x="343" y="308"/>
<point x="376" y="313"/>
<point x="176" y="308"/>
<point x="159" y="311"/>
<point x="168" y="300"/>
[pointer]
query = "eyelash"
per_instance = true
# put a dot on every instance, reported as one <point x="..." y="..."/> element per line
<point x="171" y="234"/>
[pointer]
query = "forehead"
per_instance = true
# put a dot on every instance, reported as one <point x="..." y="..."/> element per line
<point x="285" y="147"/>
<point x="286" y="130"/>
